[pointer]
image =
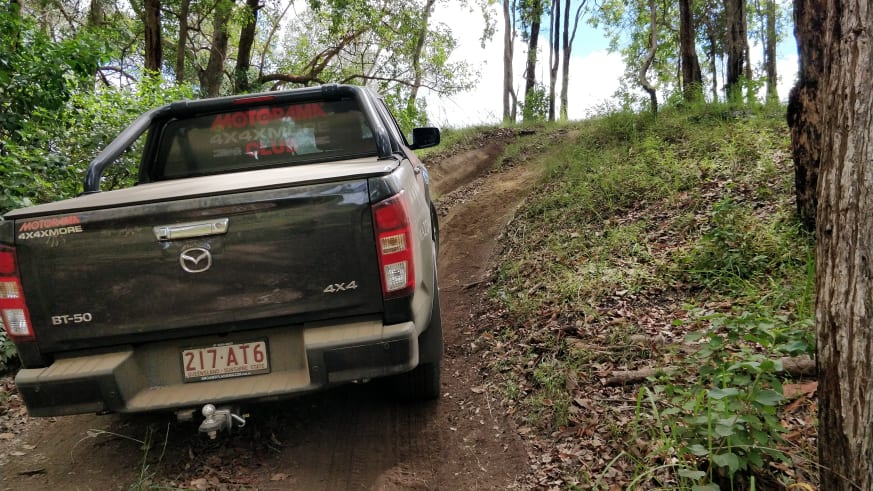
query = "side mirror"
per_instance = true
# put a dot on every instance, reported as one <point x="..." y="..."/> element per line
<point x="425" y="137"/>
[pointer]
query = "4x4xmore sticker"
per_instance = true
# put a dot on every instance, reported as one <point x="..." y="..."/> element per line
<point x="50" y="227"/>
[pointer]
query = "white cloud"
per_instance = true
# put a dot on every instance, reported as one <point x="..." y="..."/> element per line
<point x="594" y="76"/>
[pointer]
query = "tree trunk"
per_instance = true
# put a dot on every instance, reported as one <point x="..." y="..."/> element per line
<point x="692" y="80"/>
<point x="647" y="63"/>
<point x="567" y="40"/>
<point x="747" y="56"/>
<point x="508" y="38"/>
<point x="244" y="51"/>
<point x="153" y="48"/>
<point x="803" y="114"/>
<point x="211" y="78"/>
<point x="770" y="52"/>
<point x="844" y="239"/>
<point x="416" y="57"/>
<point x="735" y="12"/>
<point x="184" y="6"/>
<point x="530" y="72"/>
<point x="713" y="67"/>
<point x="554" y="54"/>
<point x="96" y="16"/>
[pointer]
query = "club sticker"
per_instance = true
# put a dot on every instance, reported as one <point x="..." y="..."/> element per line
<point x="50" y="227"/>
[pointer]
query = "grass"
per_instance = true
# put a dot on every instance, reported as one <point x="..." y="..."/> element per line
<point x="657" y="228"/>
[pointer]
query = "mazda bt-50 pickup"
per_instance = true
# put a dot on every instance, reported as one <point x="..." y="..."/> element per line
<point x="274" y="244"/>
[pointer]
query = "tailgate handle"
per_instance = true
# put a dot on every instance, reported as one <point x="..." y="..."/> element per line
<point x="191" y="229"/>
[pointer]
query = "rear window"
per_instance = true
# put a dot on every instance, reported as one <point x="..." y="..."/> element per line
<point x="264" y="136"/>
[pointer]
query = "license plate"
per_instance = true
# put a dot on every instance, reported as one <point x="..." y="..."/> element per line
<point x="225" y="361"/>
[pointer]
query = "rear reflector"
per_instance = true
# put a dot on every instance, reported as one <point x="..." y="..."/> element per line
<point x="13" y="310"/>
<point x="393" y="236"/>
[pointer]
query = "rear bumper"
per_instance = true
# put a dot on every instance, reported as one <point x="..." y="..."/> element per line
<point x="150" y="377"/>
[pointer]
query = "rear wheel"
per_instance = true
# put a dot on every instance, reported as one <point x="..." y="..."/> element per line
<point x="423" y="382"/>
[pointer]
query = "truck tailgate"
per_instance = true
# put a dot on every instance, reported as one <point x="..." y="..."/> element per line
<point x="232" y="262"/>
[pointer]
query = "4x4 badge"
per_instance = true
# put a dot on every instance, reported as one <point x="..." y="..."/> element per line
<point x="195" y="260"/>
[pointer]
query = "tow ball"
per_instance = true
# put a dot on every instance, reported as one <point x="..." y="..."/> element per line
<point x="222" y="419"/>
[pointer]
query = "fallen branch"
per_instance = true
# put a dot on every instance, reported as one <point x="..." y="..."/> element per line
<point x="799" y="366"/>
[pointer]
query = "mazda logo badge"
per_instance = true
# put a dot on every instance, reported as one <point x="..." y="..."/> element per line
<point x="195" y="260"/>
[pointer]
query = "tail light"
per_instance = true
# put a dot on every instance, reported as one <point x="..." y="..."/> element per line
<point x="13" y="310"/>
<point x="395" y="246"/>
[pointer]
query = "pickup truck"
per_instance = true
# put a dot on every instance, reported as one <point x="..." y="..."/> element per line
<point x="274" y="244"/>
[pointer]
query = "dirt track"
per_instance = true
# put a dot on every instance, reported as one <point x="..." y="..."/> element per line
<point x="353" y="437"/>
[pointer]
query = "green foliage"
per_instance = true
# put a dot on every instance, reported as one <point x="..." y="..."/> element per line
<point x="53" y="151"/>
<point x="727" y="415"/>
<point x="37" y="74"/>
<point x="739" y="247"/>
<point x="38" y="77"/>
<point x="694" y="206"/>
<point x="8" y="353"/>
<point x="536" y="105"/>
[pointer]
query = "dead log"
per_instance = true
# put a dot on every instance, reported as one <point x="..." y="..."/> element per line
<point x="798" y="366"/>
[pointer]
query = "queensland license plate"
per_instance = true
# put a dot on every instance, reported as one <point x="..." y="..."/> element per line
<point x="225" y="361"/>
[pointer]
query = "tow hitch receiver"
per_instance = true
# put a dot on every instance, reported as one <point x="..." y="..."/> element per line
<point x="215" y="420"/>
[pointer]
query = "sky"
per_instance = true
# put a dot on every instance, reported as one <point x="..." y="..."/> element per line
<point x="594" y="72"/>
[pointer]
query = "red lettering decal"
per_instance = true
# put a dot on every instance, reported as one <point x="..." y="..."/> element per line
<point x="317" y="110"/>
<point x="239" y="120"/>
<point x="49" y="223"/>
<point x="220" y="122"/>
<point x="278" y="149"/>
<point x="277" y="113"/>
<point x="252" y="148"/>
<point x="264" y="116"/>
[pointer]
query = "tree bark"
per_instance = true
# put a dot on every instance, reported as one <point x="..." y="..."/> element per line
<point x="416" y="57"/>
<point x="244" y="50"/>
<point x="184" y="6"/>
<point x="770" y="52"/>
<point x="554" y="54"/>
<point x="647" y="63"/>
<point x="211" y="78"/>
<point x="735" y="12"/>
<point x="96" y="16"/>
<point x="692" y="79"/>
<point x="508" y="39"/>
<point x="803" y="115"/>
<point x="153" y="47"/>
<point x="530" y="72"/>
<point x="844" y="241"/>
<point x="568" y="37"/>
<point x="713" y="68"/>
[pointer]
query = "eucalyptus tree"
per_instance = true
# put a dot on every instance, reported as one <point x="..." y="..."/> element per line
<point x="510" y="99"/>
<point x="153" y="35"/>
<point x="554" y="53"/>
<point x="568" y="37"/>
<point x="392" y="46"/>
<point x="630" y="29"/>
<point x="692" y="79"/>
<point x="737" y="40"/>
<point x="531" y="14"/>
<point x="835" y="36"/>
